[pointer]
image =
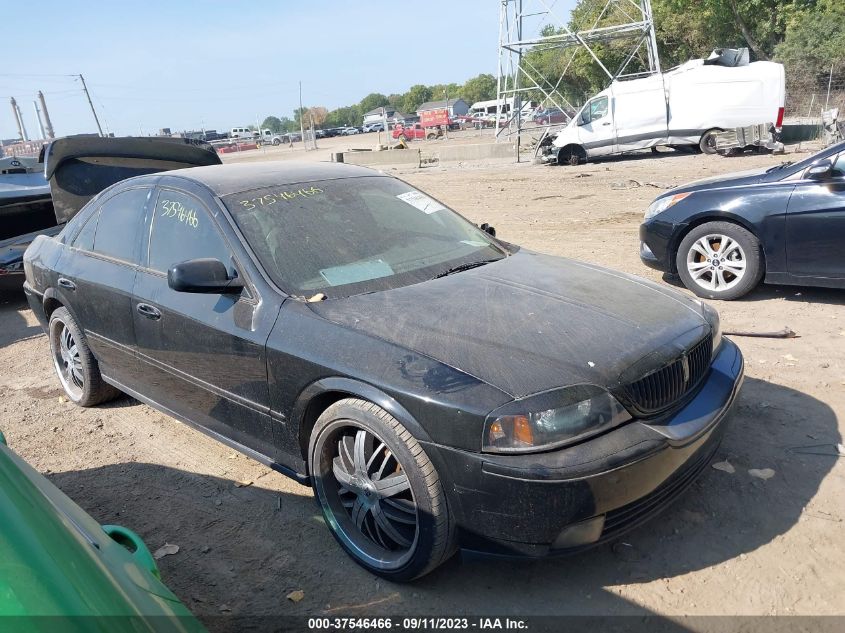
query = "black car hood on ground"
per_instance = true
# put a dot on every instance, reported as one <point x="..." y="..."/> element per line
<point x="531" y="322"/>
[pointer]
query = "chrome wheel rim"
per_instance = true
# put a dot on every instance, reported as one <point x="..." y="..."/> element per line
<point x="716" y="262"/>
<point x="367" y="495"/>
<point x="67" y="361"/>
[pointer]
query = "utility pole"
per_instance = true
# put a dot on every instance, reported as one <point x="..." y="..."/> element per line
<point x="48" y="125"/>
<point x="301" y="121"/>
<point x="91" y="103"/>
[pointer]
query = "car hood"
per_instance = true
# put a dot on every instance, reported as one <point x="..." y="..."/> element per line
<point x="532" y="322"/>
<point x="736" y="179"/>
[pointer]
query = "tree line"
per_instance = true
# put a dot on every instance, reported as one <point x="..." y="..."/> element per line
<point x="479" y="88"/>
<point x="807" y="36"/>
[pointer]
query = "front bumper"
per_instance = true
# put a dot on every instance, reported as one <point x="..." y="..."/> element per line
<point x="563" y="501"/>
<point x="657" y="236"/>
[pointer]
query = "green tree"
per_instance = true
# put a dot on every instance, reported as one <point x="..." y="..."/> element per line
<point x="273" y="123"/>
<point x="346" y="116"/>
<point x="815" y="41"/>
<point x="372" y="101"/>
<point x="415" y="97"/>
<point x="479" y="88"/>
<point x="288" y="124"/>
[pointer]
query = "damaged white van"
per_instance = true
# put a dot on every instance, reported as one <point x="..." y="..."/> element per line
<point x="688" y="106"/>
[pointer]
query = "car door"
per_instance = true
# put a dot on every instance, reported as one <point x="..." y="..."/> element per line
<point x="97" y="274"/>
<point x="202" y="356"/>
<point x="595" y="127"/>
<point x="815" y="226"/>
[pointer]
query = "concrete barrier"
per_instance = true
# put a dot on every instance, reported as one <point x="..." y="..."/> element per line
<point x="403" y="157"/>
<point x="480" y="151"/>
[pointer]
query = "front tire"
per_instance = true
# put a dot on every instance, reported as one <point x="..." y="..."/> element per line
<point x="707" y="143"/>
<point x="720" y="260"/>
<point x="75" y="365"/>
<point x="380" y="495"/>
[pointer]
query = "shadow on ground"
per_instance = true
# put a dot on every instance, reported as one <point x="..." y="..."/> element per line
<point x="15" y="327"/>
<point x="248" y="547"/>
<point x="765" y="292"/>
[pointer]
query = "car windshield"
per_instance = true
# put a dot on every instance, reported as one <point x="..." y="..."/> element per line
<point x="355" y="235"/>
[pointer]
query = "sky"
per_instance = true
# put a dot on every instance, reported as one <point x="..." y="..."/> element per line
<point x="218" y="64"/>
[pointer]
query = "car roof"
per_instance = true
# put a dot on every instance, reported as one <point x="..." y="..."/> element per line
<point x="227" y="179"/>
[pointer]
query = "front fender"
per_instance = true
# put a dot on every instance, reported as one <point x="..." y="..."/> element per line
<point x="356" y="389"/>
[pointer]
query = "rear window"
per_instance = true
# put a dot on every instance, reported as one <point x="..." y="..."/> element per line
<point x="354" y="235"/>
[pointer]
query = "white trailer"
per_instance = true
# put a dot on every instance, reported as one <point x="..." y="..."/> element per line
<point x="687" y="106"/>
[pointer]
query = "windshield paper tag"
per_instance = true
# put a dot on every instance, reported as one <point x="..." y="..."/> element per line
<point x="421" y="201"/>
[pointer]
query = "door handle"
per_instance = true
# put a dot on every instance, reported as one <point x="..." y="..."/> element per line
<point x="608" y="123"/>
<point x="67" y="283"/>
<point x="145" y="309"/>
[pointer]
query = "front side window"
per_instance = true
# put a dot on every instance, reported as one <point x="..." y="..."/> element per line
<point x="352" y="235"/>
<point x="598" y="108"/>
<point x="118" y="228"/>
<point x="182" y="230"/>
<point x="839" y="166"/>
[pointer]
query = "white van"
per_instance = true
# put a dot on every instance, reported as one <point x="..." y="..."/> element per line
<point x="686" y="106"/>
<point x="242" y="132"/>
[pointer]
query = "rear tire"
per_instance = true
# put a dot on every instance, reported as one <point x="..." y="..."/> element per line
<point x="380" y="495"/>
<point x="720" y="260"/>
<point x="75" y="365"/>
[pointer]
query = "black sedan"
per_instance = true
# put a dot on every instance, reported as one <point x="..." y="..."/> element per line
<point x="783" y="224"/>
<point x="439" y="388"/>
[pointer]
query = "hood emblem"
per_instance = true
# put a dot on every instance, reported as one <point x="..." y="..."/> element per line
<point x="685" y="367"/>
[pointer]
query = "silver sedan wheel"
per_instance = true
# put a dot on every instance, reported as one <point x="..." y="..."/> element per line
<point x="68" y="362"/>
<point x="716" y="262"/>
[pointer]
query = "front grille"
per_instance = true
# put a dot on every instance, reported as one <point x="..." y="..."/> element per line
<point x="660" y="389"/>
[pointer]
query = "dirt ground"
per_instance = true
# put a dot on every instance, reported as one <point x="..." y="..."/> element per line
<point x="733" y="544"/>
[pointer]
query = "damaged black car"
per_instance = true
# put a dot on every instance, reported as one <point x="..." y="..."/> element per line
<point x="439" y="388"/>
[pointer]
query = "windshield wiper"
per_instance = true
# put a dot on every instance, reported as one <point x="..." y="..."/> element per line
<point x="783" y="165"/>
<point x="462" y="267"/>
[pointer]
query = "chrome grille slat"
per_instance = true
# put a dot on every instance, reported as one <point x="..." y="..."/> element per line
<point x="660" y="389"/>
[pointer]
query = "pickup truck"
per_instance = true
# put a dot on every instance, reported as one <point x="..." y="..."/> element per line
<point x="416" y="131"/>
<point x="273" y="138"/>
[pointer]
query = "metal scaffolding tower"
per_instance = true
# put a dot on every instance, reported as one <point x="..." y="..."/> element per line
<point x="627" y="23"/>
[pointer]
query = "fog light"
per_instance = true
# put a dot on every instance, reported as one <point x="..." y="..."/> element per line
<point x="579" y="534"/>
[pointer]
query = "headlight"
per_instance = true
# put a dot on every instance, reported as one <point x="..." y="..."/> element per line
<point x="538" y="429"/>
<point x="715" y="324"/>
<point x="661" y="204"/>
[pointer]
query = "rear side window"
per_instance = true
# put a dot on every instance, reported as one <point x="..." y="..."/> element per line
<point x="183" y="229"/>
<point x="85" y="238"/>
<point x="119" y="225"/>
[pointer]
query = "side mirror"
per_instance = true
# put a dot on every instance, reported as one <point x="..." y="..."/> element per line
<point x="204" y="275"/>
<point x="488" y="229"/>
<point x="821" y="170"/>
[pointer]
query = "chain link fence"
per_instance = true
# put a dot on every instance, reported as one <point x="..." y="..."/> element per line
<point x="808" y="97"/>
